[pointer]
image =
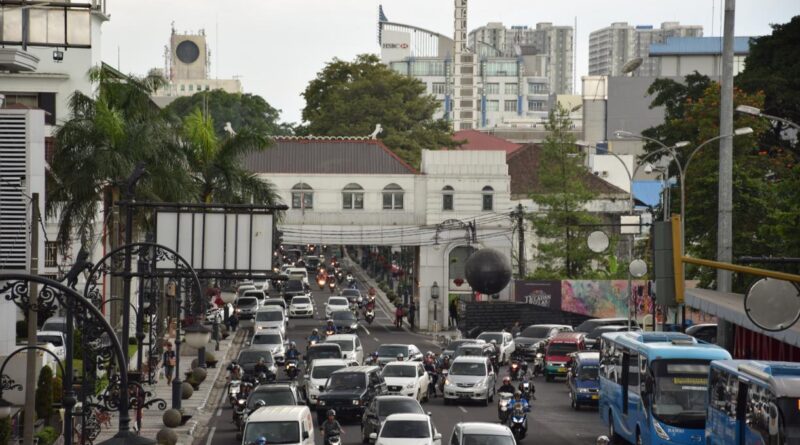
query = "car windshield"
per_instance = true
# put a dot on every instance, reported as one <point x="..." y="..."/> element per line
<point x="679" y="398"/>
<point x="253" y="356"/>
<point x="267" y="339"/>
<point x="338" y="302"/>
<point x="254" y="293"/>
<point x="54" y="339"/>
<point x="468" y="369"/>
<point x="453" y="345"/>
<point x="294" y="285"/>
<point x="489" y="337"/>
<point x="344" y="316"/>
<point x="346" y="345"/>
<point x="588" y="372"/>
<point x="535" y="332"/>
<point x="400" y="371"/>
<point x="389" y="407"/>
<point x="351" y="293"/>
<point x="324" y="371"/>
<point x="322" y="352"/>
<point x="487" y="439"/>
<point x="301" y="300"/>
<point x="282" y="396"/>
<point x="407" y="429"/>
<point x="274" y="302"/>
<point x="347" y="380"/>
<point x="269" y="316"/>
<point x="275" y="432"/>
<point x="469" y="350"/>
<point x="392" y="350"/>
<point x="560" y="349"/>
<point x="246" y="302"/>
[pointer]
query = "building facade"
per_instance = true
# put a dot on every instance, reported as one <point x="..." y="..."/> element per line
<point x="681" y="56"/>
<point x="613" y="46"/>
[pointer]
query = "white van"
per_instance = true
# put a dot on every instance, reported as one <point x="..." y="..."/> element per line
<point x="280" y="424"/>
<point x="298" y="273"/>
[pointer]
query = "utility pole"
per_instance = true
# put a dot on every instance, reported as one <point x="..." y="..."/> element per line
<point x="725" y="208"/>
<point x="30" y="355"/>
<point x="521" y="228"/>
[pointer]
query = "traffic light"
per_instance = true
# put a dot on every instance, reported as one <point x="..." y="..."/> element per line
<point x="667" y="262"/>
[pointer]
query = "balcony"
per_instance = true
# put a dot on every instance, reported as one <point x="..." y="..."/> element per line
<point x="17" y="60"/>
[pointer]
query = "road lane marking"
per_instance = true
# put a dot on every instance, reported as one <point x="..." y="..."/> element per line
<point x="219" y="411"/>
<point x="211" y="435"/>
<point x="376" y="339"/>
<point x="366" y="330"/>
<point x="463" y="410"/>
<point x="221" y="402"/>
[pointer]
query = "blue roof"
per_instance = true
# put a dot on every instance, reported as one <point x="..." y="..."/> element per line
<point x="648" y="192"/>
<point x="659" y="345"/>
<point x="698" y="46"/>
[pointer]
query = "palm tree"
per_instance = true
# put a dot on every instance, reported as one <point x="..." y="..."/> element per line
<point x="215" y="163"/>
<point x="98" y="147"/>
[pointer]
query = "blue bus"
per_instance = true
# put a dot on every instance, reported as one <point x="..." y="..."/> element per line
<point x="653" y="386"/>
<point x="753" y="403"/>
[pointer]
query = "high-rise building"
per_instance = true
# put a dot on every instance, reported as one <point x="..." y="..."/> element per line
<point x="611" y="47"/>
<point x="554" y="43"/>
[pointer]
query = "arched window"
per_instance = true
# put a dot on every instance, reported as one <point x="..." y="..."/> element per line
<point x="447" y="198"/>
<point x="353" y="197"/>
<point x="302" y="196"/>
<point x="392" y="197"/>
<point x="488" y="198"/>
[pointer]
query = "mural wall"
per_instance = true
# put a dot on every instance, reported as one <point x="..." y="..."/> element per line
<point x="595" y="298"/>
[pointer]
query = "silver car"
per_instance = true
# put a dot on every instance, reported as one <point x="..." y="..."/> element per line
<point x="470" y="378"/>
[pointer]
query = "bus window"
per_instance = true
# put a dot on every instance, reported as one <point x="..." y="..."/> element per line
<point x="679" y="397"/>
<point x="757" y="413"/>
<point x="719" y="390"/>
<point x="633" y="374"/>
<point x="788" y="420"/>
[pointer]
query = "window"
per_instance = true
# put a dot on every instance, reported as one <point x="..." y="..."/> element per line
<point x="392" y="197"/>
<point x="447" y="198"/>
<point x="428" y="68"/>
<point x="492" y="105"/>
<point x="488" y="198"/>
<point x="183" y="87"/>
<point x="535" y="105"/>
<point x="439" y="88"/>
<point x="302" y="196"/>
<point x="537" y="87"/>
<point x="510" y="105"/>
<point x="191" y="87"/>
<point x="492" y="88"/>
<point x="42" y="101"/>
<point x="500" y="68"/>
<point x="353" y="197"/>
<point x="512" y="88"/>
<point x="50" y="254"/>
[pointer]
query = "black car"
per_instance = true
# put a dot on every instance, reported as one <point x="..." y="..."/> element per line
<point x="345" y="322"/>
<point x="350" y="390"/>
<point x="533" y="338"/>
<point x="589" y="325"/>
<point x="351" y="294"/>
<point x="592" y="339"/>
<point x="248" y="358"/>
<point x="706" y="332"/>
<point x="293" y="288"/>
<point x="383" y="406"/>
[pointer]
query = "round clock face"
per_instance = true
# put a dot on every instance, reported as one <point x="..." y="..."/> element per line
<point x="187" y="51"/>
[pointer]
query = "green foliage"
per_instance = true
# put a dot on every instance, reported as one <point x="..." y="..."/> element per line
<point x="350" y="98"/>
<point x="44" y="394"/>
<point x="561" y="193"/>
<point x="5" y="431"/>
<point x="241" y="110"/>
<point x="58" y="387"/>
<point x="762" y="206"/>
<point x="47" y="436"/>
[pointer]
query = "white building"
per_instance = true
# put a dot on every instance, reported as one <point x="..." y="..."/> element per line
<point x="679" y="57"/>
<point x="611" y="47"/>
<point x="355" y="191"/>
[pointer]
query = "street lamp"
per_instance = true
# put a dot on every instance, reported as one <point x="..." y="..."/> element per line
<point x="753" y="111"/>
<point x="435" y="298"/>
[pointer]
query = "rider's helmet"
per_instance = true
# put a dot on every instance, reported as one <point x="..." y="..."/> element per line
<point x="603" y="440"/>
<point x="261" y="440"/>
<point x="314" y="331"/>
<point x="330" y="321"/>
<point x="400" y="357"/>
<point x="429" y="354"/>
<point x="517" y="395"/>
<point x="506" y="380"/>
<point x="292" y="345"/>
<point x="331" y="413"/>
<point x="493" y="342"/>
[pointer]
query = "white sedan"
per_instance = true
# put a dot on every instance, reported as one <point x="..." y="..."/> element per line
<point x="406" y="379"/>
<point x="336" y="304"/>
<point x="301" y="307"/>
<point x="407" y="429"/>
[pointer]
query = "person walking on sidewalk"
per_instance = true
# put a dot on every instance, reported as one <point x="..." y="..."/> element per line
<point x="398" y="316"/>
<point x="411" y="309"/>
<point x="453" y="314"/>
<point x="168" y="361"/>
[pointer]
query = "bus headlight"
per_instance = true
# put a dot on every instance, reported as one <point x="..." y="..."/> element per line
<point x="659" y="430"/>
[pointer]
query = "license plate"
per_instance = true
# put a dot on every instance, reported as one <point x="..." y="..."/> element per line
<point x="562" y="369"/>
<point x="595" y="397"/>
<point x="464" y="395"/>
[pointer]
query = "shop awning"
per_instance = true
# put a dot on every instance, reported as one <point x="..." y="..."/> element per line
<point x="730" y="307"/>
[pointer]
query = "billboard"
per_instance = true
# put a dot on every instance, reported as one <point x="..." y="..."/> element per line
<point x="395" y="45"/>
<point x="544" y="293"/>
<point x="220" y="242"/>
<point x="604" y="298"/>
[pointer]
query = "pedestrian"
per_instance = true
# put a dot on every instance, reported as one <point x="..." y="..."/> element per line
<point x="169" y="361"/>
<point x="233" y="322"/>
<point x="398" y="316"/>
<point x="453" y="313"/>
<point x="411" y="308"/>
<point x="515" y="329"/>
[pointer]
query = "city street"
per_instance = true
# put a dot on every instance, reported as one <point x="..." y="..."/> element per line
<point x="551" y="421"/>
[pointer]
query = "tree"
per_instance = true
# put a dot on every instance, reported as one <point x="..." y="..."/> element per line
<point x="44" y="394"/>
<point x="241" y="110"/>
<point x="98" y="146"/>
<point x="351" y="98"/>
<point x="760" y="204"/>
<point x="562" y="194"/>
<point x="214" y="162"/>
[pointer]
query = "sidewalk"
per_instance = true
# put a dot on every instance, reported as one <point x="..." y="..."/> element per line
<point x="384" y="303"/>
<point x="200" y="405"/>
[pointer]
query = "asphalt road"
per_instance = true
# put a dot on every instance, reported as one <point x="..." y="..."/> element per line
<point x="551" y="421"/>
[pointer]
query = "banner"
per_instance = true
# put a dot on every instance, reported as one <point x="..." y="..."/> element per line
<point x="604" y="298"/>
<point x="544" y="293"/>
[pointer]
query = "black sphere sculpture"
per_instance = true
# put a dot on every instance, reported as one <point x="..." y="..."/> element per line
<point x="488" y="271"/>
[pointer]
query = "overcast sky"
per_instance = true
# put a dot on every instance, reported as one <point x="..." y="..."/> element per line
<point x="278" y="46"/>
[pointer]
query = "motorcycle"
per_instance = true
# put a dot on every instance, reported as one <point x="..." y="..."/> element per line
<point x="502" y="406"/>
<point x="495" y="365"/>
<point x="329" y="332"/>
<point x="369" y="316"/>
<point x="339" y="276"/>
<point x="321" y="283"/>
<point x="332" y="285"/>
<point x="514" y="370"/>
<point x="234" y="388"/>
<point x="264" y="378"/>
<point x="239" y="409"/>
<point x="538" y="364"/>
<point x="528" y="390"/>
<point x="333" y="440"/>
<point x="443" y="377"/>
<point x="519" y="422"/>
<point x="291" y="369"/>
<point x="351" y="279"/>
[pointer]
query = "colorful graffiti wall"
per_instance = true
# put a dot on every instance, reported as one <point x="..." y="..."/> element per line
<point x="604" y="298"/>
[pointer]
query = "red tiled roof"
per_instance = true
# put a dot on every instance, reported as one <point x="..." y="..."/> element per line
<point x="477" y="140"/>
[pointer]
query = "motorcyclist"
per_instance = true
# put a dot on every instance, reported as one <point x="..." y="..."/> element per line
<point x="400" y="357"/>
<point x="430" y="368"/>
<point x="261" y="367"/>
<point x="507" y="386"/>
<point x="518" y="399"/>
<point x="330" y="427"/>
<point x="235" y="371"/>
<point x="330" y="327"/>
<point x="444" y="363"/>
<point x="314" y="337"/>
<point x="525" y="380"/>
<point x="292" y="353"/>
